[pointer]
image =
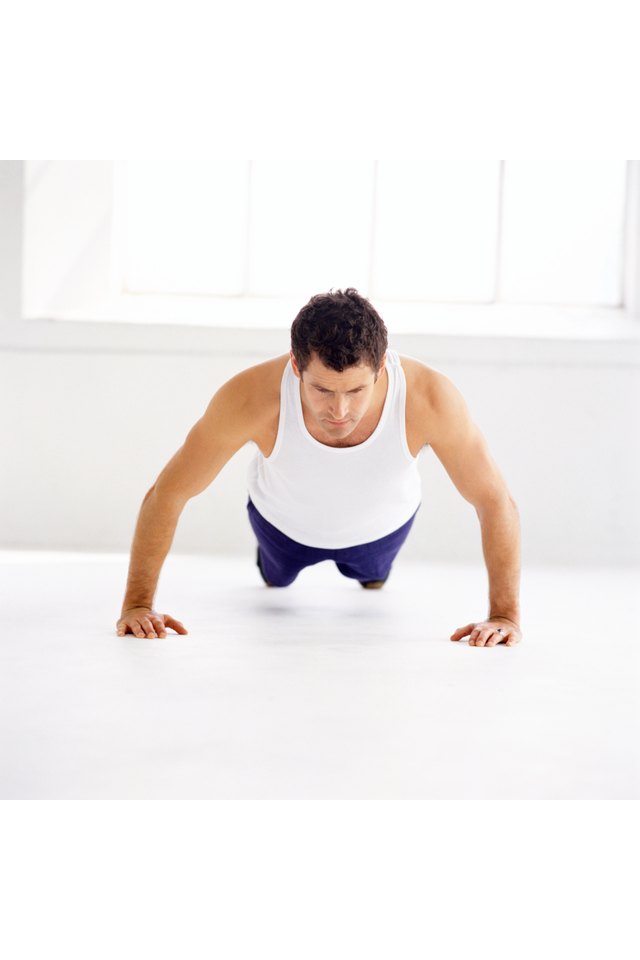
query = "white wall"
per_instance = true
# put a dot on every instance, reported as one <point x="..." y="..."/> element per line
<point x="91" y="412"/>
<point x="83" y="435"/>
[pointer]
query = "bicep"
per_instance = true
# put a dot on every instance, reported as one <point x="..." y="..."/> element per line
<point x="462" y="448"/>
<point x="221" y="431"/>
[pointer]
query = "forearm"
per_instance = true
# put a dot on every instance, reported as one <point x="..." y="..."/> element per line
<point x="500" y="524"/>
<point x="155" y="529"/>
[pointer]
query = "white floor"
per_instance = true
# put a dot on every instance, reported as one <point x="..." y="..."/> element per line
<point x="316" y="772"/>
<point x="321" y="689"/>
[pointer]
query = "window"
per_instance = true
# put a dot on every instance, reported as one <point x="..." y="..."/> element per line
<point x="239" y="242"/>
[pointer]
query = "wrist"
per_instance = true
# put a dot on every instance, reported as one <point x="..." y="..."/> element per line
<point x="512" y="616"/>
<point x="136" y="605"/>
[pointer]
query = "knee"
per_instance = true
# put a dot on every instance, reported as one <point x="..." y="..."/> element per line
<point x="283" y="583"/>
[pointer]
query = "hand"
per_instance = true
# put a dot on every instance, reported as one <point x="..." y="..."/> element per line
<point x="484" y="634"/>
<point x="141" y="620"/>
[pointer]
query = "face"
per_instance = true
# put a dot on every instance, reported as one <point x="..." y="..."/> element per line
<point x="337" y="402"/>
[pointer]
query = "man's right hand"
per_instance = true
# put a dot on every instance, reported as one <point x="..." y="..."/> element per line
<point x="144" y="622"/>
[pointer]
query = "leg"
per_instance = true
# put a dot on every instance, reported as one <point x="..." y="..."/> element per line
<point x="370" y="563"/>
<point x="281" y="572"/>
<point x="279" y="558"/>
<point x="370" y="579"/>
<point x="268" y="583"/>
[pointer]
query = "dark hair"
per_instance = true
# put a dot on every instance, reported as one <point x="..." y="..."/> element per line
<point x="342" y="328"/>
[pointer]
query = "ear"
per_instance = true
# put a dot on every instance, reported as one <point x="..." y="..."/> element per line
<point x="382" y="365"/>
<point x="294" y="366"/>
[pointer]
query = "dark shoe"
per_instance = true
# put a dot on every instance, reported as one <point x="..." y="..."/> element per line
<point x="372" y="584"/>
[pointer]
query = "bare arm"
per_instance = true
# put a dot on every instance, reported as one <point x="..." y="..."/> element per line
<point x="462" y="449"/>
<point x="152" y="539"/>
<point x="223" y="429"/>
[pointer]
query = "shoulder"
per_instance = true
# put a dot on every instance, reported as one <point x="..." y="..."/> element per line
<point x="433" y="400"/>
<point x="250" y="398"/>
<point x="426" y="384"/>
<point x="256" y="385"/>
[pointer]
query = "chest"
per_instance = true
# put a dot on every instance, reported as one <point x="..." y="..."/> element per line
<point x="415" y="426"/>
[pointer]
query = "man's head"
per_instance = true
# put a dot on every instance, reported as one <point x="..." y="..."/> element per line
<point x="340" y="342"/>
<point x="342" y="329"/>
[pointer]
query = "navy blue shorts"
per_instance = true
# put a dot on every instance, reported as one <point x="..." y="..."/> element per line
<point x="280" y="559"/>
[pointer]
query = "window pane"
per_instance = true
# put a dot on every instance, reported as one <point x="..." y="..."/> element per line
<point x="310" y="226"/>
<point x="436" y="223"/>
<point x="67" y="234"/>
<point x="184" y="226"/>
<point x="562" y="231"/>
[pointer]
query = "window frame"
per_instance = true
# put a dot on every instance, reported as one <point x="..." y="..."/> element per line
<point x="514" y="333"/>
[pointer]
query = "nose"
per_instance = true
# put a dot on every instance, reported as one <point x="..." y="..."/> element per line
<point x="338" y="409"/>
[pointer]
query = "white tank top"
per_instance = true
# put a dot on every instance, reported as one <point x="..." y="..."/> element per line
<point x="336" y="497"/>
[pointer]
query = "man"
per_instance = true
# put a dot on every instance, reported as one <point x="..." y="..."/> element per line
<point x="339" y="423"/>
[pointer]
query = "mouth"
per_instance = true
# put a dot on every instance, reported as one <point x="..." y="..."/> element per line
<point x="337" y="423"/>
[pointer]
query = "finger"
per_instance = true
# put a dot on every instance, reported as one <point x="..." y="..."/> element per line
<point x="509" y="637"/>
<point x="480" y="635"/>
<point x="174" y="624"/>
<point x="462" y="631"/>
<point x="134" y="627"/>
<point x="158" y="623"/>
<point x="497" y="637"/>
<point x="473" y="636"/>
<point x="148" y="627"/>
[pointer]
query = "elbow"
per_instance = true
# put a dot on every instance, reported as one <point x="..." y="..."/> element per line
<point x="169" y="497"/>
<point x="497" y="504"/>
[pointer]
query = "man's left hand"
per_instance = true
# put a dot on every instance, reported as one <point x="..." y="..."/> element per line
<point x="486" y="634"/>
